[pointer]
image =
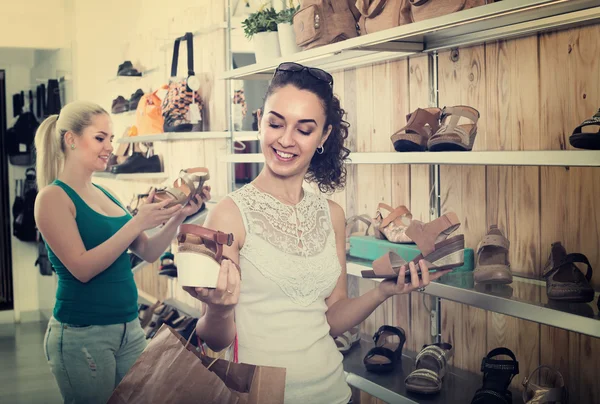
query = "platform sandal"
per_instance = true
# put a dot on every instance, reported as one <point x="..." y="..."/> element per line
<point x="437" y="250"/>
<point x="392" y="227"/>
<point x="347" y="340"/>
<point x="200" y="254"/>
<point x="589" y="140"/>
<point x="545" y="385"/>
<point x="387" y="352"/>
<point x="492" y="259"/>
<point x="497" y="375"/>
<point x="431" y="365"/>
<point x="420" y="125"/>
<point x="350" y="224"/>
<point x="564" y="281"/>
<point x="185" y="187"/>
<point x="452" y="136"/>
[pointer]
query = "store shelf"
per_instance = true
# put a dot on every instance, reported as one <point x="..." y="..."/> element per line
<point x="124" y="114"/>
<point x="499" y="20"/>
<point x="245" y="136"/>
<point x="524" y="298"/>
<point x="167" y="137"/>
<point x="184" y="308"/>
<point x="569" y="158"/>
<point x="458" y="386"/>
<point x="133" y="177"/>
<point x="127" y="78"/>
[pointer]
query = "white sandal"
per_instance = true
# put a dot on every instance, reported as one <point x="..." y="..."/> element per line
<point x="347" y="340"/>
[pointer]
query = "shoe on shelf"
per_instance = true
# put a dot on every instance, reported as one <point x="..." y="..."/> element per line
<point x="431" y="365"/>
<point x="492" y="258"/>
<point x="347" y="340"/>
<point x="393" y="226"/>
<point x="119" y="105"/>
<point x="138" y="163"/>
<point x="564" y="281"/>
<point x="127" y="69"/>
<point x="420" y="125"/>
<point x="167" y="265"/>
<point x="135" y="99"/>
<point x="587" y="135"/>
<point x="458" y="128"/>
<point x="544" y="385"/>
<point x="497" y="375"/>
<point x="387" y="352"/>
<point x="350" y="224"/>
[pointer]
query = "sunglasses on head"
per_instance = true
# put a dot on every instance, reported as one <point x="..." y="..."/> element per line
<point x="297" y="67"/>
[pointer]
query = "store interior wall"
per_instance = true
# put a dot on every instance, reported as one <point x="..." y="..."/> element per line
<point x="34" y="24"/>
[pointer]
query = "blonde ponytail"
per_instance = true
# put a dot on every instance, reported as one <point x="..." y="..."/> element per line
<point x="50" y="138"/>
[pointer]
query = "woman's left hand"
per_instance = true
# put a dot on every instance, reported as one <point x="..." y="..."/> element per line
<point x="392" y="287"/>
<point x="196" y="202"/>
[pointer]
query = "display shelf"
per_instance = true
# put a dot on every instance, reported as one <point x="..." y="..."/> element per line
<point x="167" y="137"/>
<point x="245" y="136"/>
<point x="570" y="158"/>
<point x="184" y="308"/>
<point x="132" y="177"/>
<point x="144" y="74"/>
<point x="123" y="114"/>
<point x="458" y="386"/>
<point x="525" y="298"/>
<point x="145" y="298"/>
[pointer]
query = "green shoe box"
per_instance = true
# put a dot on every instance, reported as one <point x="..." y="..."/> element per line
<point x="370" y="248"/>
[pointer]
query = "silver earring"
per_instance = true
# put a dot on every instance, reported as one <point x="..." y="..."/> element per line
<point x="320" y="149"/>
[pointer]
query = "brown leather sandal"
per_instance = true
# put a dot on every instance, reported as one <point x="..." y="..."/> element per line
<point x="350" y="224"/>
<point x="548" y="388"/>
<point x="438" y="251"/>
<point x="431" y="365"/>
<point x="564" y="281"/>
<point x="200" y="254"/>
<point x="185" y="187"/>
<point x="492" y="259"/>
<point x="393" y="226"/>
<point x="452" y="136"/>
<point x="420" y="125"/>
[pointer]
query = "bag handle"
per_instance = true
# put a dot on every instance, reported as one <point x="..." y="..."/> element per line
<point x="371" y="8"/>
<point x="189" y="38"/>
<point x="417" y="3"/>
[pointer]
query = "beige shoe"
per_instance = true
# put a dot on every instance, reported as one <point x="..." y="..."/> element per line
<point x="492" y="259"/>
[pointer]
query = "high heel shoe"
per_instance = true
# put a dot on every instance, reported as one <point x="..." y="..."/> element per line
<point x="393" y="226"/>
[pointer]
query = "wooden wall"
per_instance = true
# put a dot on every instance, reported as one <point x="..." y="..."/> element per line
<point x="531" y="93"/>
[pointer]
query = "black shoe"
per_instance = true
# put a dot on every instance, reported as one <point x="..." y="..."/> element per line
<point x="137" y="163"/>
<point x="127" y="69"/>
<point x="167" y="265"/>
<point x="119" y="105"/>
<point x="135" y="99"/>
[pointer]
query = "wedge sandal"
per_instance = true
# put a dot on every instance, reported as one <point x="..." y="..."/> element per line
<point x="200" y="255"/>
<point x="492" y="259"/>
<point x="430" y="367"/>
<point x="590" y="139"/>
<point x="185" y="187"/>
<point x="454" y="135"/>
<point x="347" y="340"/>
<point x="497" y="375"/>
<point x="387" y="352"/>
<point x="350" y="224"/>
<point x="564" y="281"/>
<point x="392" y="227"/>
<point x="420" y="125"/>
<point x="545" y="385"/>
<point x="438" y="251"/>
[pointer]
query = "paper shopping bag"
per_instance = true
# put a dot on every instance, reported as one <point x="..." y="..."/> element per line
<point x="172" y="371"/>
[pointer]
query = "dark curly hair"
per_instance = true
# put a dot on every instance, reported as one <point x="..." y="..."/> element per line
<point x="328" y="169"/>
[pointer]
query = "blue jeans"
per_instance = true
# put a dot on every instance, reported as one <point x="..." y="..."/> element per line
<point x="88" y="362"/>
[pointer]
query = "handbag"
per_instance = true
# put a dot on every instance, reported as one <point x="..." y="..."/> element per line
<point x="379" y="15"/>
<point x="149" y="115"/>
<point x="322" y="22"/>
<point x="171" y="370"/>
<point x="178" y="102"/>
<point x="425" y="9"/>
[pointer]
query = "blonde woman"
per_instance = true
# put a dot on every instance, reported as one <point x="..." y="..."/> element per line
<point x="94" y="336"/>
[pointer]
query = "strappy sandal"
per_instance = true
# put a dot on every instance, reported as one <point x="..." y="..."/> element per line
<point x="430" y="367"/>
<point x="393" y="226"/>
<point x="350" y="223"/>
<point x="438" y="251"/>
<point x="492" y="259"/>
<point x="550" y="389"/>
<point x="454" y="137"/>
<point x="420" y="125"/>
<point x="200" y="255"/>
<point x="497" y="375"/>
<point x="167" y="265"/>
<point x="347" y="340"/>
<point x="387" y="352"/>
<point x="587" y="140"/>
<point x="185" y="187"/>
<point x="564" y="281"/>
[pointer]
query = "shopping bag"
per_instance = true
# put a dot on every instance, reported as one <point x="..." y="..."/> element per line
<point x="171" y="370"/>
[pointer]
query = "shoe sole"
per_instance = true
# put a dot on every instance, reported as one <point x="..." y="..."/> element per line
<point x="197" y="270"/>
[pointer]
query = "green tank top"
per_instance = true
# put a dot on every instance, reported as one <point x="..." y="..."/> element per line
<point x="111" y="296"/>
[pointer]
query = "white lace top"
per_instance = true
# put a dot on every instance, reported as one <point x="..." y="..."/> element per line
<point x="289" y="266"/>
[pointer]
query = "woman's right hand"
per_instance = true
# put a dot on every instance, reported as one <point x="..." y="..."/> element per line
<point x="152" y="214"/>
<point x="227" y="293"/>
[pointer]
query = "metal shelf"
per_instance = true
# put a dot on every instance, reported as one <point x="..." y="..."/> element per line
<point x="524" y="298"/>
<point x="144" y="74"/>
<point x="167" y="137"/>
<point x="458" y="386"/>
<point x="499" y="20"/>
<point x="569" y="158"/>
